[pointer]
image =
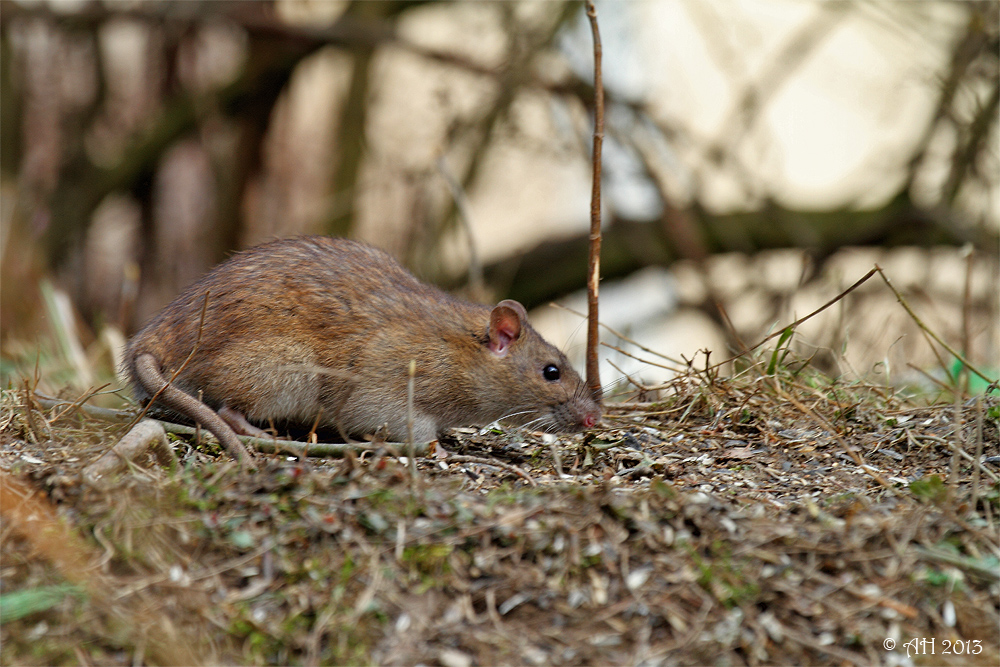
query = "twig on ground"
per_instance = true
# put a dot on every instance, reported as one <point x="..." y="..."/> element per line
<point x="941" y="385"/>
<point x="146" y="436"/>
<point x="639" y="359"/>
<point x="625" y="338"/>
<point x="980" y="570"/>
<point x="832" y="430"/>
<point x="924" y="327"/>
<point x="87" y="395"/>
<point x="464" y="458"/>
<point x="799" y="321"/>
<point x="732" y="329"/>
<point x="834" y="651"/>
<point x="105" y="414"/>
<point x="267" y="446"/>
<point x="556" y="458"/>
<point x="638" y="385"/>
<point x="961" y="452"/>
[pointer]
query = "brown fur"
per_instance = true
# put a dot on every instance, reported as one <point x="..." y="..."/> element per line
<point x="300" y="327"/>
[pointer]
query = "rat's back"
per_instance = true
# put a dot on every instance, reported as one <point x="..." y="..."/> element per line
<point x="264" y="331"/>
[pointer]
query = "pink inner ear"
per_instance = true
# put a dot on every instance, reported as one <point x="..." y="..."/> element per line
<point x="505" y="327"/>
<point x="499" y="342"/>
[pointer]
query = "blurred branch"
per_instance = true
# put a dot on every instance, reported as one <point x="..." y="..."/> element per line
<point x="756" y="94"/>
<point x="555" y="268"/>
<point x="964" y="161"/>
<point x="515" y="75"/>
<point x="976" y="41"/>
<point x="275" y="50"/>
<point x="250" y="105"/>
<point x="351" y="140"/>
<point x="350" y="31"/>
<point x="83" y="185"/>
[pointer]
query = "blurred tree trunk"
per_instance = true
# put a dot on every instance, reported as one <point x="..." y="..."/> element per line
<point x="10" y="111"/>
<point x="353" y="118"/>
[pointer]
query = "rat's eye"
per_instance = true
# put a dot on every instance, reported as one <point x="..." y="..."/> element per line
<point x="551" y="372"/>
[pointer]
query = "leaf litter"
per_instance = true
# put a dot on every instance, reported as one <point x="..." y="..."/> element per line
<point x="762" y="519"/>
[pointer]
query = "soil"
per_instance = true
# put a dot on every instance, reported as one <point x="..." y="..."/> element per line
<point x="755" y="520"/>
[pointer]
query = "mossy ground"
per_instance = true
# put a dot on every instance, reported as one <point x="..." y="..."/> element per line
<point x="764" y="519"/>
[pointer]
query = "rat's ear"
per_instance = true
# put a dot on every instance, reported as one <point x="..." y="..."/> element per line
<point x="507" y="320"/>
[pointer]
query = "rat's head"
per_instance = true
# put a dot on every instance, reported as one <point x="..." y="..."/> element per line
<point x="529" y="381"/>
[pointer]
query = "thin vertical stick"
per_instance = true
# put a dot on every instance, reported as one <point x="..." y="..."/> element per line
<point x="410" y="448"/>
<point x="594" y="264"/>
<point x="963" y="376"/>
<point x="978" y="432"/>
<point x="957" y="435"/>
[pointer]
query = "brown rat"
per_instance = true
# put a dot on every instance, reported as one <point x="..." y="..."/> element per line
<point x="317" y="327"/>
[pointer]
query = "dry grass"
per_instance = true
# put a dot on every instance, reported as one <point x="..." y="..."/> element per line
<point x="778" y="516"/>
<point x="767" y="518"/>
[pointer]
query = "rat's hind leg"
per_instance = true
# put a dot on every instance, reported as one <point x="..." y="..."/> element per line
<point x="239" y="423"/>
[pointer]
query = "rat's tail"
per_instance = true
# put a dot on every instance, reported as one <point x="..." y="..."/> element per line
<point x="147" y="373"/>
